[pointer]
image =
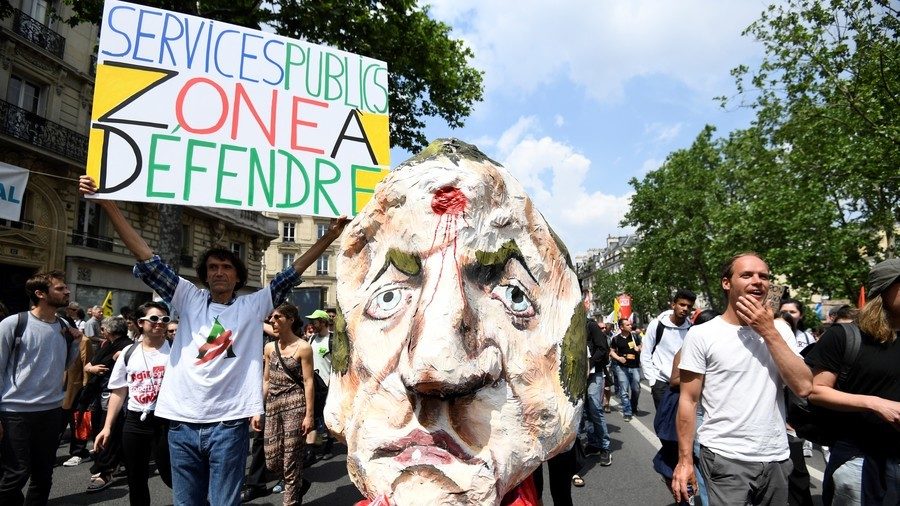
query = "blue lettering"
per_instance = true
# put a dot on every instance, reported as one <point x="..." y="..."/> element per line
<point x="140" y="34"/>
<point x="273" y="62"/>
<point x="165" y="38"/>
<point x="114" y="29"/>
<point x="247" y="56"/>
<point x="216" y="52"/>
<point x="196" y="42"/>
<point x="208" y="45"/>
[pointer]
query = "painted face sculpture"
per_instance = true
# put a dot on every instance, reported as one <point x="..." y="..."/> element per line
<point x="459" y="355"/>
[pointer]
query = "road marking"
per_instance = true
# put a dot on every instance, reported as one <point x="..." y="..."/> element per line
<point x="651" y="438"/>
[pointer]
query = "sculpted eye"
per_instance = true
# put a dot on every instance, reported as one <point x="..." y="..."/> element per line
<point x="385" y="303"/>
<point x="514" y="298"/>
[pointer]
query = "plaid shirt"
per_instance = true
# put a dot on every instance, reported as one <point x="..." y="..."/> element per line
<point x="163" y="280"/>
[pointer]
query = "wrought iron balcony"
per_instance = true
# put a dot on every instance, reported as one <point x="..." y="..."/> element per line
<point x="29" y="127"/>
<point x="38" y="33"/>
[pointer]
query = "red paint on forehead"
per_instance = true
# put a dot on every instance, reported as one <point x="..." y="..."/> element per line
<point x="448" y="200"/>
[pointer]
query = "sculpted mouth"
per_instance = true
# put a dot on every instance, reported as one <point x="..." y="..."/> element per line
<point x="421" y="447"/>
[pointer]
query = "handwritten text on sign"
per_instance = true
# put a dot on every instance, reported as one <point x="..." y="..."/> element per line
<point x="193" y="111"/>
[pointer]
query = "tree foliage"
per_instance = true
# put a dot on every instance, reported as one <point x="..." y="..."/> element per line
<point x="829" y="88"/>
<point x="813" y="185"/>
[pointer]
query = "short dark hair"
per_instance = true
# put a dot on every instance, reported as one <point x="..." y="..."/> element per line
<point x="222" y="253"/>
<point x="41" y="281"/>
<point x="621" y="320"/>
<point x="685" y="294"/>
<point x="800" y="306"/>
<point x="705" y="316"/>
<point x="141" y="311"/>
<point x="846" y="312"/>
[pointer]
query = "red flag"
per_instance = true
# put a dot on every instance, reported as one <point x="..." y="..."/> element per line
<point x="862" y="297"/>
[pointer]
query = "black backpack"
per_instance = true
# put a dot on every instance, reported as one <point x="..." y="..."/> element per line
<point x="812" y="422"/>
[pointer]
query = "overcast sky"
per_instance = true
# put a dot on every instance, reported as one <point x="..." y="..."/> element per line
<point x="582" y="95"/>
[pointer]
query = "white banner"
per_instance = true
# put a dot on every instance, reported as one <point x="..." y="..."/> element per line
<point x="13" y="181"/>
<point x="196" y="112"/>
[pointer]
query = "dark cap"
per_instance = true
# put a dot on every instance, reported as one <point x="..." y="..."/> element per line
<point x="883" y="275"/>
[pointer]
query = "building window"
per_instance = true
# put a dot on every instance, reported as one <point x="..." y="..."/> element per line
<point x="287" y="231"/>
<point x="238" y="249"/>
<point x="287" y="260"/>
<point x="89" y="231"/>
<point x="321" y="229"/>
<point x="39" y="10"/>
<point x="187" y="246"/>
<point x="322" y="265"/>
<point x="23" y="93"/>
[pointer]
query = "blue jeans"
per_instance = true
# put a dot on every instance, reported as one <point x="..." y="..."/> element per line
<point x="594" y="421"/>
<point x="629" y="377"/>
<point x="208" y="461"/>
<point x="852" y="477"/>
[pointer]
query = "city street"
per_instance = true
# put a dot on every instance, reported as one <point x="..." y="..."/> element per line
<point x="630" y="479"/>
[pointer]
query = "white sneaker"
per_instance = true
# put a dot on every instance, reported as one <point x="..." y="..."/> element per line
<point x="73" y="461"/>
<point x="807" y="449"/>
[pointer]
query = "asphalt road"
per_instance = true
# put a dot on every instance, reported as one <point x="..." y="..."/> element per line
<point x="630" y="480"/>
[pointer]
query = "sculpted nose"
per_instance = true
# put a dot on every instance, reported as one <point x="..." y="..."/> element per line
<point x="445" y="356"/>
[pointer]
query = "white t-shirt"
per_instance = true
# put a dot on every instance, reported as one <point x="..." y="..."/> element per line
<point x="742" y="390"/>
<point x="322" y="356"/>
<point x="804" y="338"/>
<point x="211" y="382"/>
<point x="143" y="375"/>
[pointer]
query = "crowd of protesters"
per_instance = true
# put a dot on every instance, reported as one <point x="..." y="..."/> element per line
<point x="152" y="388"/>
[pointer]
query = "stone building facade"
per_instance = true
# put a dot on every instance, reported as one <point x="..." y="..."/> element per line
<point x="47" y="73"/>
<point x="295" y="235"/>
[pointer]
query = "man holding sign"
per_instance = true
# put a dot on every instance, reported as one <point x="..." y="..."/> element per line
<point x="213" y="382"/>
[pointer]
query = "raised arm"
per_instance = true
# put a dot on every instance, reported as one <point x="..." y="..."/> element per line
<point x="794" y="372"/>
<point x="315" y="251"/>
<point x="133" y="241"/>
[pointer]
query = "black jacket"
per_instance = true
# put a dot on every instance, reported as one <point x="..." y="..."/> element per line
<point x="598" y="345"/>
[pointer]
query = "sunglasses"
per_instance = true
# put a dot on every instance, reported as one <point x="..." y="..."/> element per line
<point x="155" y="319"/>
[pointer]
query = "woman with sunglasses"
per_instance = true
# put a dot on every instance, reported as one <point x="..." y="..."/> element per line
<point x="137" y="375"/>
<point x="288" y="390"/>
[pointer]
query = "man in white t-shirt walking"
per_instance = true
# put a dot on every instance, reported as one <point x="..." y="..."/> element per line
<point x="736" y="364"/>
<point x="213" y="380"/>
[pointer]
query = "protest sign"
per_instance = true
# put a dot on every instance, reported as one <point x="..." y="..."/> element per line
<point x="13" y="181"/>
<point x="193" y="111"/>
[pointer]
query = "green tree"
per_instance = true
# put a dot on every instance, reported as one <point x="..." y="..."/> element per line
<point x="605" y="287"/>
<point x="829" y="89"/>
<point x="675" y="211"/>
<point x="429" y="74"/>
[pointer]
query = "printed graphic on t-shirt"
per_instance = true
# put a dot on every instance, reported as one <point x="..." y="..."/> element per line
<point x="218" y="341"/>
<point x="145" y="384"/>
